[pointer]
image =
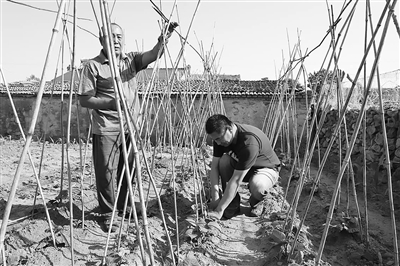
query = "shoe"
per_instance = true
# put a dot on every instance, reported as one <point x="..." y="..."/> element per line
<point x="114" y="226"/>
<point x="129" y="212"/>
<point x="257" y="210"/>
<point x="231" y="212"/>
<point x="233" y="208"/>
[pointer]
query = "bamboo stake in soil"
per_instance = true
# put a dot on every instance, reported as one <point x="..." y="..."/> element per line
<point x="30" y="131"/>
<point x="70" y="184"/>
<point x="307" y="162"/>
<point x="111" y="55"/>
<point x="309" y="152"/>
<point x="62" y="117"/>
<point x="354" y="137"/>
<point x="119" y="94"/>
<point x="387" y="152"/>
<point x="350" y="173"/>
<point x="350" y="170"/>
<point x="39" y="187"/>
<point x="81" y="164"/>
<point x="157" y="194"/>
<point x="364" y="132"/>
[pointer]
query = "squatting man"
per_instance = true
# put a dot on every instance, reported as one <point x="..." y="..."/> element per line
<point x="241" y="153"/>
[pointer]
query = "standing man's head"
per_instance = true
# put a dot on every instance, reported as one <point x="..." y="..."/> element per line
<point x="117" y="37"/>
<point x="220" y="129"/>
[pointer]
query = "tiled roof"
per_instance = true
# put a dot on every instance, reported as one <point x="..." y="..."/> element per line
<point x="18" y="88"/>
<point x="225" y="87"/>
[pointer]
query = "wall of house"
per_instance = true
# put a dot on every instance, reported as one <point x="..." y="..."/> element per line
<point x="249" y="110"/>
<point x="253" y="111"/>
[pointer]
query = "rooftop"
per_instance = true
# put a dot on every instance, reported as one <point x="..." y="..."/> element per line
<point x="225" y="87"/>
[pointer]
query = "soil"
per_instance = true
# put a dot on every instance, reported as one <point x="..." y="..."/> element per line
<point x="242" y="240"/>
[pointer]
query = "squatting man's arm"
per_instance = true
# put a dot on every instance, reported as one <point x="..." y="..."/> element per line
<point x="229" y="193"/>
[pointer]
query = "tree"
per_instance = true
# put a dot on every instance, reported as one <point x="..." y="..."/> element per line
<point x="32" y="77"/>
<point x="315" y="80"/>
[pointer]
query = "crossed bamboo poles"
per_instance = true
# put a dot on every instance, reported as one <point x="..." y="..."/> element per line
<point x="276" y="125"/>
<point x="342" y="107"/>
<point x="105" y="19"/>
<point x="29" y="136"/>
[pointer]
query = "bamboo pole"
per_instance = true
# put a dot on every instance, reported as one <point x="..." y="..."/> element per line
<point x="43" y="145"/>
<point x="350" y="168"/>
<point x="30" y="131"/>
<point x="81" y="164"/>
<point x="3" y="252"/>
<point x="350" y="173"/>
<point x="395" y="22"/>
<point x="285" y="111"/>
<point x="364" y="132"/>
<point x="111" y="56"/>
<point x="39" y="187"/>
<point x="119" y="93"/>
<point x="173" y="180"/>
<point x="67" y="147"/>
<point x="170" y="122"/>
<point x="308" y="154"/>
<point x="367" y="15"/>
<point x="157" y="195"/>
<point x="357" y="127"/>
<point x="386" y="147"/>
<point x="62" y="117"/>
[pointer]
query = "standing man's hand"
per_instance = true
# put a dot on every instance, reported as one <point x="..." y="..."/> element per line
<point x="171" y="28"/>
<point x="168" y="32"/>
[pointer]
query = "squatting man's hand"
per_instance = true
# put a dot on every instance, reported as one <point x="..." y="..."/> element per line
<point x="213" y="204"/>
<point x="214" y="214"/>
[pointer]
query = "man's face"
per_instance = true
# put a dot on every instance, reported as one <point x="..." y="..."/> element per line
<point x="223" y="138"/>
<point x="117" y="38"/>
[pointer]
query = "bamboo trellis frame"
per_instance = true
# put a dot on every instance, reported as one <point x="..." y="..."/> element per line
<point x="30" y="131"/>
<point x="192" y="118"/>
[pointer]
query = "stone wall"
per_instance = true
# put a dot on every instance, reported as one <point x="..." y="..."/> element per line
<point x="374" y="149"/>
<point x="249" y="110"/>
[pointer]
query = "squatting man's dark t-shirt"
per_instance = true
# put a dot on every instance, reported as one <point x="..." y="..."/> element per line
<point x="251" y="148"/>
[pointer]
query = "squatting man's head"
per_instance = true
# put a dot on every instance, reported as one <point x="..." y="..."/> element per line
<point x="220" y="129"/>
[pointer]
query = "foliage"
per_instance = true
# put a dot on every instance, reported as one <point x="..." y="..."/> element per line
<point x="32" y="77"/>
<point x="316" y="79"/>
<point x="390" y="97"/>
<point x="290" y="84"/>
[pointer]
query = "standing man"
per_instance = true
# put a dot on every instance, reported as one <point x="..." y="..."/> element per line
<point x="242" y="153"/>
<point x="96" y="91"/>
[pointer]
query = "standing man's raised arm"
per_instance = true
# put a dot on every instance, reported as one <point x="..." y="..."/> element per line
<point x="158" y="50"/>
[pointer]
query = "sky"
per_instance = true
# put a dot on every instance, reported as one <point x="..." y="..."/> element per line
<point x="252" y="39"/>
